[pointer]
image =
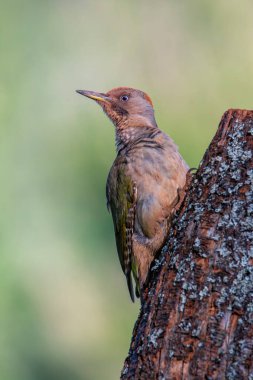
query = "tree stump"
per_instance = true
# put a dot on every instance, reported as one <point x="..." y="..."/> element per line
<point x="196" y="320"/>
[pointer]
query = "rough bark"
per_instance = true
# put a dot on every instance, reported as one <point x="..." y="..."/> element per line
<point x="196" y="321"/>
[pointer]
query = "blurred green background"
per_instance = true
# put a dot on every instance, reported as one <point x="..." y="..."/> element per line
<point x="65" y="312"/>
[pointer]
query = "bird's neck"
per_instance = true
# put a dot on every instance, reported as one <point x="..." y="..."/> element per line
<point x="132" y="131"/>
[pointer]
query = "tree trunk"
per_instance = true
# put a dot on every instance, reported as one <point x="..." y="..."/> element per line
<point x="196" y="320"/>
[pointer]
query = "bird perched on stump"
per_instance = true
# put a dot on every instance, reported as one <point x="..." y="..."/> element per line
<point x="143" y="183"/>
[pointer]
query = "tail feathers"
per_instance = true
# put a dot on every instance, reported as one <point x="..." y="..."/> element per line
<point x="130" y="285"/>
<point x="136" y="279"/>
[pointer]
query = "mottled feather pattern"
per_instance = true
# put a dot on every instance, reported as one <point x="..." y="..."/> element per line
<point x="150" y="162"/>
<point x="120" y="192"/>
<point x="129" y="241"/>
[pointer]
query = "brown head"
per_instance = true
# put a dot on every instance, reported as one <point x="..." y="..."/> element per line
<point x="126" y="107"/>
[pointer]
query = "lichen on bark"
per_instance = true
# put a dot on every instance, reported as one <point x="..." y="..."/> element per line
<point x="196" y="321"/>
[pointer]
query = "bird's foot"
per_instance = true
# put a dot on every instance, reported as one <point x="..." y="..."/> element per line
<point x="180" y="195"/>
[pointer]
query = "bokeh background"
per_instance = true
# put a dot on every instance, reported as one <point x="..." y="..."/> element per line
<point x="65" y="312"/>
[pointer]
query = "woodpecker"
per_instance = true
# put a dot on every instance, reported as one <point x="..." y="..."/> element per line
<point x="143" y="183"/>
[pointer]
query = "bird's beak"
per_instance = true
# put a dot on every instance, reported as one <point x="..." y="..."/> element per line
<point x="94" y="95"/>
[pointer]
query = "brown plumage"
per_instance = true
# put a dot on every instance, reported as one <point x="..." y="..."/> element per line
<point x="144" y="180"/>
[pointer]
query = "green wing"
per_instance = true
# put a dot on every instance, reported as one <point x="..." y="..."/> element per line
<point x="121" y="196"/>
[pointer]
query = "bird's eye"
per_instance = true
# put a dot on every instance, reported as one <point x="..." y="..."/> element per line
<point x="124" y="98"/>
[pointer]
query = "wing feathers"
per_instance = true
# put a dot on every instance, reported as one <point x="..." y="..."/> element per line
<point x="121" y="195"/>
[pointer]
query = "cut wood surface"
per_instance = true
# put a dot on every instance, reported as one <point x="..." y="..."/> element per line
<point x="196" y="321"/>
